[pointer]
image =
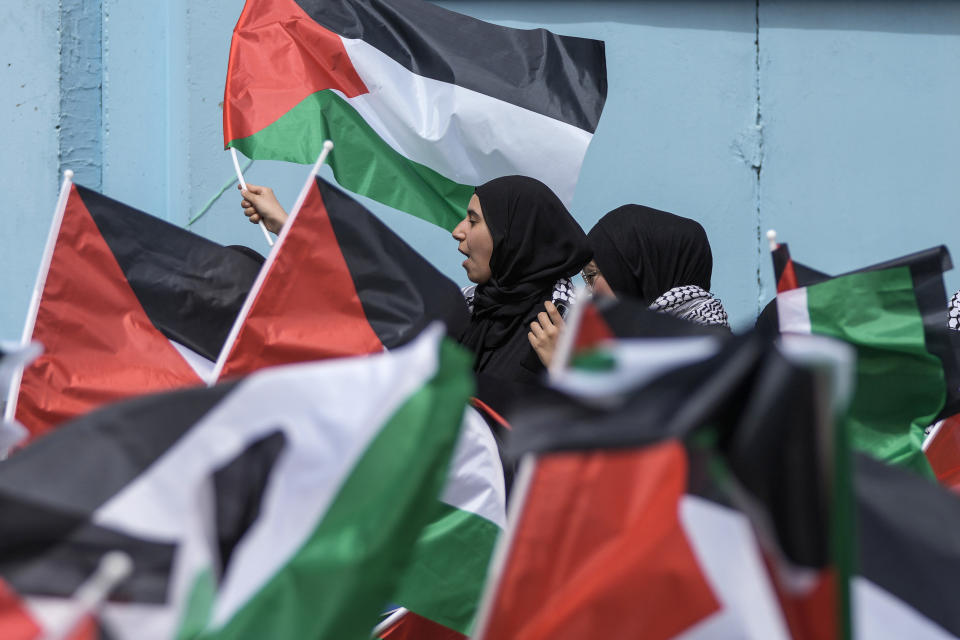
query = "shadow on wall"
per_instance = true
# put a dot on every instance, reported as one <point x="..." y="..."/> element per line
<point x="891" y="16"/>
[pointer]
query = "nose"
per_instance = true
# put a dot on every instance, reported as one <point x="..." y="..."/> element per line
<point x="459" y="233"/>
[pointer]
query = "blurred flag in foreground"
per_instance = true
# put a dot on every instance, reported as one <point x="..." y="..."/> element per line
<point x="894" y="315"/>
<point x="281" y="505"/>
<point x="125" y="303"/>
<point x="634" y="493"/>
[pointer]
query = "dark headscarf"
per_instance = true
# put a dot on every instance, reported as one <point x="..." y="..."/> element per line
<point x="642" y="252"/>
<point x="535" y="243"/>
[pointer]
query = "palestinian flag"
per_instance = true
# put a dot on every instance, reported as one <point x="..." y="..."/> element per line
<point x="894" y="314"/>
<point x="790" y="274"/>
<point x="629" y="523"/>
<point x="282" y="505"/>
<point x="909" y="556"/>
<point x="613" y="544"/>
<point x="445" y="579"/>
<point x="338" y="283"/>
<point x="125" y="303"/>
<point x="422" y="103"/>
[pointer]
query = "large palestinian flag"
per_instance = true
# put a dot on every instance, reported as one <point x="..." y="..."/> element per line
<point x="338" y="283"/>
<point x="894" y="314"/>
<point x="125" y="303"/>
<point x="422" y="103"/>
<point x="282" y="505"/>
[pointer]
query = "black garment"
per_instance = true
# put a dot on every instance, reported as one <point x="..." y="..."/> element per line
<point x="642" y="252"/>
<point x="535" y="243"/>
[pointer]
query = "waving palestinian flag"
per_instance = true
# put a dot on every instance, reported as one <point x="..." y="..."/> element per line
<point x="422" y="103"/>
<point x="282" y="505"/>
<point x="338" y="283"/>
<point x="125" y="303"/>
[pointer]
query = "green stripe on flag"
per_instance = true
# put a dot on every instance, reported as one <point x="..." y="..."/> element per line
<point x="339" y="580"/>
<point x="900" y="385"/>
<point x="362" y="162"/>
<point x="445" y="580"/>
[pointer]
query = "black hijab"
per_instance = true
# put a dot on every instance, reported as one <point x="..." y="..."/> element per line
<point x="643" y="252"/>
<point x="535" y="243"/>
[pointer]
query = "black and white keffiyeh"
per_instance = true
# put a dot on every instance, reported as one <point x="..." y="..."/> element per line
<point x="563" y="296"/>
<point x="692" y="303"/>
<point x="953" y="315"/>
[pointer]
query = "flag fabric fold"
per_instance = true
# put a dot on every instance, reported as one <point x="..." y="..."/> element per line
<point x="270" y="506"/>
<point x="418" y="110"/>
<point x="125" y="303"/>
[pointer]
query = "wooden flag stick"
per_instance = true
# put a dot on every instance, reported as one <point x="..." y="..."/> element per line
<point x="243" y="185"/>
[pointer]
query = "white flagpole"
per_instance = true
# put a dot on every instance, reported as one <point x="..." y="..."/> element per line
<point x="265" y="269"/>
<point x="772" y="239"/>
<point x="243" y="185"/>
<point x="389" y="621"/>
<point x="65" y="187"/>
<point x="114" y="568"/>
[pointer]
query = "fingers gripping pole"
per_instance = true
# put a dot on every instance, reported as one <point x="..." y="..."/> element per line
<point x="243" y="185"/>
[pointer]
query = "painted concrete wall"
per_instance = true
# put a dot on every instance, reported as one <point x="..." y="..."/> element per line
<point x="834" y="122"/>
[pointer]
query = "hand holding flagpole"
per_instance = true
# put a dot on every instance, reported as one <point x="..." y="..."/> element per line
<point x="243" y="185"/>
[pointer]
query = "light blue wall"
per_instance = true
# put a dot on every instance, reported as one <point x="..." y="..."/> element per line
<point x="834" y="122"/>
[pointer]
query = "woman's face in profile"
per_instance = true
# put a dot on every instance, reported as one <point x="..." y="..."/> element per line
<point x="475" y="242"/>
<point x="596" y="282"/>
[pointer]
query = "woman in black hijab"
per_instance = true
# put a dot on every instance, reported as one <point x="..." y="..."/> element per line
<point x="522" y="248"/>
<point x="659" y="258"/>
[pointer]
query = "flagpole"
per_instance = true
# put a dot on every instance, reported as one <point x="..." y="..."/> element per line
<point x="265" y="269"/>
<point x="772" y="239"/>
<point x="389" y="621"/>
<point x="114" y="568"/>
<point x="243" y="185"/>
<point x="41" y="281"/>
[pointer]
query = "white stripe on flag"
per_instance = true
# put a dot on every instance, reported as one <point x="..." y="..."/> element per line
<point x="464" y="135"/>
<point x="475" y="481"/>
<point x="639" y="361"/>
<point x="879" y="615"/>
<point x="200" y="365"/>
<point x="727" y="552"/>
<point x="327" y="413"/>
<point x="792" y="311"/>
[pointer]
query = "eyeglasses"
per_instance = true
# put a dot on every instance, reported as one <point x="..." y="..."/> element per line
<point x="589" y="276"/>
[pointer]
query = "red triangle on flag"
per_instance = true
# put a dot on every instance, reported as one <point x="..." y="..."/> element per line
<point x="99" y="344"/>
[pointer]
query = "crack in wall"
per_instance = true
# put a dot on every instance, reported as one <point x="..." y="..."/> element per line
<point x="80" y="119"/>
<point x="757" y="163"/>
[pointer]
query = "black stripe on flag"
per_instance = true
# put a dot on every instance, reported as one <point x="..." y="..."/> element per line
<point x="400" y="291"/>
<point x="88" y="460"/>
<point x="190" y="287"/>
<point x="562" y="77"/>
<point x="50" y="491"/>
<point x="907" y="532"/>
